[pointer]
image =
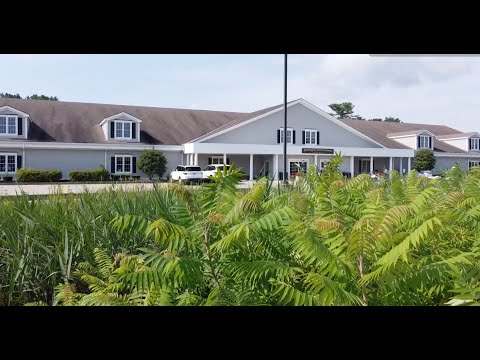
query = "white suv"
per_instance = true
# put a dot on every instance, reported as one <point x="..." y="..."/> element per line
<point x="212" y="169"/>
<point x="186" y="173"/>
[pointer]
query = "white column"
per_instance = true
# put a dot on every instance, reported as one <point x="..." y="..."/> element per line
<point x="390" y="167"/>
<point x="401" y="166"/>
<point x="275" y="167"/>
<point x="371" y="164"/>
<point x="409" y="165"/>
<point x="225" y="159"/>
<point x="196" y="159"/>
<point x="316" y="160"/>
<point x="352" y="166"/>
<point x="23" y="157"/>
<point x="251" y="167"/>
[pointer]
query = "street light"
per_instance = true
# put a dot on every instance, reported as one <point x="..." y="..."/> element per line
<point x="285" y="179"/>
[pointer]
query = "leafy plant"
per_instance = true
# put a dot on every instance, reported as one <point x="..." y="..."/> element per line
<point x="152" y="162"/>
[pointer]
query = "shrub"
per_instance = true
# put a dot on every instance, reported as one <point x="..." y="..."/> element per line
<point x="424" y="160"/>
<point x="34" y="175"/>
<point x="152" y="162"/>
<point x="100" y="174"/>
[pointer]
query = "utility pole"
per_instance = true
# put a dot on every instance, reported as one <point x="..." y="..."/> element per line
<point x="285" y="179"/>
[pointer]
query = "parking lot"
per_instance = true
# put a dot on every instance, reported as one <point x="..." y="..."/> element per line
<point x="66" y="188"/>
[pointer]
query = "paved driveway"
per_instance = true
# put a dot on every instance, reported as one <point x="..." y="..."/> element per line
<point x="45" y="189"/>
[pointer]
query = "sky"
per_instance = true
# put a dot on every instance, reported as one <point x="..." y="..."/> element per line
<point x="417" y="89"/>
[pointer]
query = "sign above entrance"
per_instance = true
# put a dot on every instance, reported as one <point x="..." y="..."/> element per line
<point x="316" y="151"/>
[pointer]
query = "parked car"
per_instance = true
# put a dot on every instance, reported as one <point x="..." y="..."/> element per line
<point x="186" y="174"/>
<point x="428" y="174"/>
<point x="210" y="170"/>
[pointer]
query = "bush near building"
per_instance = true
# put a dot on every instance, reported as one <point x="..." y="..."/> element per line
<point x="34" y="175"/>
<point x="100" y="174"/>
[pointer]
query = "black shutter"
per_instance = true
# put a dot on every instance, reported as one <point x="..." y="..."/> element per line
<point x="303" y="137"/>
<point x="470" y="144"/>
<point x="418" y="142"/>
<point x="112" y="165"/>
<point x="112" y="129"/>
<point x="134" y="164"/>
<point x="209" y="161"/>
<point x="20" y="126"/>
<point x="278" y="136"/>
<point x="430" y="142"/>
<point x="19" y="162"/>
<point x="228" y="161"/>
<point x="318" y="137"/>
<point x="134" y="130"/>
<point x="294" y="142"/>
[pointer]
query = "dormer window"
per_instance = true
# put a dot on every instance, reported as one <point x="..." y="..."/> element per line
<point x="474" y="144"/>
<point x="123" y="130"/>
<point x="8" y="125"/>
<point x="424" y="142"/>
<point x="121" y="126"/>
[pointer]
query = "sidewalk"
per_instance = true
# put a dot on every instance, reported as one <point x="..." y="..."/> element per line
<point x="66" y="188"/>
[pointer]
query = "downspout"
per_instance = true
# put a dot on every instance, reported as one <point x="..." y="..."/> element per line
<point x="106" y="148"/>
<point x="23" y="155"/>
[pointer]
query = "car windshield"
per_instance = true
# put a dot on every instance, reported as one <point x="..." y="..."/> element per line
<point x="221" y="166"/>
<point x="193" y="168"/>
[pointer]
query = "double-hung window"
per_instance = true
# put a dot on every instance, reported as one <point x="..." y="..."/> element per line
<point x="123" y="130"/>
<point x="310" y="137"/>
<point x="473" y="163"/>
<point x="424" y="142"/>
<point x="123" y="164"/>
<point x="8" y="125"/>
<point x="289" y="135"/>
<point x="474" y="144"/>
<point x="217" y="160"/>
<point x="8" y="163"/>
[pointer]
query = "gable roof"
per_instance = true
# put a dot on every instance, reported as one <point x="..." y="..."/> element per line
<point x="459" y="136"/>
<point x="76" y="122"/>
<point x="379" y="131"/>
<point x="271" y="110"/>
<point x="407" y="133"/>
<point x="240" y="120"/>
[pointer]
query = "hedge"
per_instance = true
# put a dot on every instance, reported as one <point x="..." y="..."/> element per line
<point x="100" y="174"/>
<point x="33" y="175"/>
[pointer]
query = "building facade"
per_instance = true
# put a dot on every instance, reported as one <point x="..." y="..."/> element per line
<point x="70" y="136"/>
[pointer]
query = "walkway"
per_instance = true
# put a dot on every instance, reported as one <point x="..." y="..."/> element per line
<point x="65" y="188"/>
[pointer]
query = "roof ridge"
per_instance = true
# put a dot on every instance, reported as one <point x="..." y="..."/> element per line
<point x="136" y="106"/>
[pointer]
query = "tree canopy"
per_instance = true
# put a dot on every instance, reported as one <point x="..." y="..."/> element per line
<point x="424" y="160"/>
<point x="33" y="97"/>
<point x="152" y="162"/>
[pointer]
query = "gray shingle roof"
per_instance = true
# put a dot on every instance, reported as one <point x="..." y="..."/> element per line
<point x="379" y="130"/>
<point x="80" y="122"/>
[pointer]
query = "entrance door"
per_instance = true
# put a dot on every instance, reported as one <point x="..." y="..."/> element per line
<point x="365" y="166"/>
<point x="297" y="166"/>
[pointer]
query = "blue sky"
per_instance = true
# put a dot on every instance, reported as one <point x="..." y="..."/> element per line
<point x="441" y="90"/>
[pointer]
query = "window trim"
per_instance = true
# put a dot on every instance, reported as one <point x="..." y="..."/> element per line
<point x="6" y="163"/>
<point x="471" y="141"/>
<point x="218" y="158"/>
<point x="428" y="141"/>
<point x="289" y="129"/>
<point x="7" y="134"/>
<point x="123" y="172"/>
<point x="123" y="129"/>
<point x="315" y="132"/>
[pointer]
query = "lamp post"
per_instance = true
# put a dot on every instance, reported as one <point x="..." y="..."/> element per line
<point x="285" y="179"/>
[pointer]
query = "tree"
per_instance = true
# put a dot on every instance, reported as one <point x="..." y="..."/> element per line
<point x="392" y="119"/>
<point x="424" y="160"/>
<point x="42" y="97"/>
<point x="342" y="110"/>
<point x="11" y="96"/>
<point x="152" y="162"/>
<point x="33" y="97"/>
<point x="375" y="119"/>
